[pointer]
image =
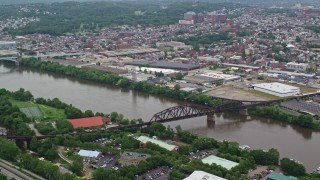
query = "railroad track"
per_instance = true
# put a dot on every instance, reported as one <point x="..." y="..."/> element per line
<point x="12" y="172"/>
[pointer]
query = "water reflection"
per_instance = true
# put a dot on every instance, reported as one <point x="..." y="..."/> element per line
<point x="305" y="133"/>
<point x="7" y="67"/>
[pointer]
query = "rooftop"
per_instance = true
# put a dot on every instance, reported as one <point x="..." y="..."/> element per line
<point x="290" y="73"/>
<point x="88" y="122"/>
<point x="277" y="176"/>
<point x="162" y="144"/>
<point x="201" y="175"/>
<point x="165" y="64"/>
<point x="219" y="161"/>
<point x="277" y="87"/>
<point x="87" y="153"/>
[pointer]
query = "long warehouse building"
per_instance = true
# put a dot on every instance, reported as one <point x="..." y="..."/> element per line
<point x="277" y="89"/>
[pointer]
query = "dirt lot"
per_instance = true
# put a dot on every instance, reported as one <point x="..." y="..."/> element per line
<point x="237" y="94"/>
<point x="72" y="62"/>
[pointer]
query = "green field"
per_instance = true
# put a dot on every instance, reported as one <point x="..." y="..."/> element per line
<point x="32" y="112"/>
<point x="39" y="111"/>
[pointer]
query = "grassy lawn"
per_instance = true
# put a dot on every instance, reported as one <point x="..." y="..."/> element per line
<point x="265" y="95"/>
<point x="305" y="89"/>
<point x="49" y="113"/>
<point x="166" y="49"/>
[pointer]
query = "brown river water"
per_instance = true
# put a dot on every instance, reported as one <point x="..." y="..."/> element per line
<point x="291" y="141"/>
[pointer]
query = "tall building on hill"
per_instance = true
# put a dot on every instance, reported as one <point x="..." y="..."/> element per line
<point x="310" y="12"/>
<point x="216" y="18"/>
<point x="190" y="16"/>
<point x="200" y="18"/>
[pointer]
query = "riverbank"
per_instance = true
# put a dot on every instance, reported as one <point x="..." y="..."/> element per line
<point x="275" y="112"/>
<point x="112" y="79"/>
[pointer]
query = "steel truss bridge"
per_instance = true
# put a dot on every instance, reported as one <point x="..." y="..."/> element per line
<point x="184" y="112"/>
<point x="191" y="111"/>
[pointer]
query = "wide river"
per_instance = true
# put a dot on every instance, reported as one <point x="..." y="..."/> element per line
<point x="291" y="141"/>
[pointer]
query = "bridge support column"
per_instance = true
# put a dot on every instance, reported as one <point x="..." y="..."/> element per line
<point x="210" y="120"/>
<point x="22" y="144"/>
<point x="243" y="112"/>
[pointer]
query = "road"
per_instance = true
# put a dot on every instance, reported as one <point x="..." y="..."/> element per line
<point x="31" y="126"/>
<point x="60" y="150"/>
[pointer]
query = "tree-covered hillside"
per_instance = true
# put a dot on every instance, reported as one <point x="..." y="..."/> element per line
<point x="59" y="18"/>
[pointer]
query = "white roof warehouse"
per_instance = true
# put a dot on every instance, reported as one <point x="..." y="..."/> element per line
<point x="277" y="89"/>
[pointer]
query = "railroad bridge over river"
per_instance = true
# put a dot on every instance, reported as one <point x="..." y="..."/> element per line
<point x="184" y="112"/>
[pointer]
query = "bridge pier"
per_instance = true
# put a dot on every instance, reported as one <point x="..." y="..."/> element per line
<point x="243" y="111"/>
<point x="22" y="144"/>
<point x="210" y="120"/>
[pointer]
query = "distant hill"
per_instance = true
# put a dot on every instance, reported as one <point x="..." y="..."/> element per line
<point x="247" y="2"/>
<point x="7" y="2"/>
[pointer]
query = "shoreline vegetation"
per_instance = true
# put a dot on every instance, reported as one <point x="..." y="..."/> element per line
<point x="273" y="112"/>
<point x="179" y="161"/>
<point x="115" y="80"/>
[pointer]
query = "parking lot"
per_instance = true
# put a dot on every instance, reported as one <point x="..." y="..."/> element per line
<point x="161" y="173"/>
<point x="301" y="106"/>
<point x="106" y="162"/>
<point x="102" y="141"/>
<point x="202" y="154"/>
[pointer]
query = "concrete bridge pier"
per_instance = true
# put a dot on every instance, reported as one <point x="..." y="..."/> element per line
<point x="210" y="120"/>
<point x="22" y="144"/>
<point x="243" y="112"/>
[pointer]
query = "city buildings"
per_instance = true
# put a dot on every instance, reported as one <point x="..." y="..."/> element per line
<point x="297" y="66"/>
<point x="7" y="44"/>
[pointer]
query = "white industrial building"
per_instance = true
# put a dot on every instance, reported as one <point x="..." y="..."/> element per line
<point x="8" y="44"/>
<point x="201" y="175"/>
<point x="297" y="66"/>
<point x="277" y="89"/>
<point x="89" y="154"/>
<point x="175" y="45"/>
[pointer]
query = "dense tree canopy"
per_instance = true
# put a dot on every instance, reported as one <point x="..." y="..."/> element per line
<point x="292" y="168"/>
<point x="274" y="112"/>
<point x="74" y="17"/>
<point x="8" y="150"/>
<point x="11" y="117"/>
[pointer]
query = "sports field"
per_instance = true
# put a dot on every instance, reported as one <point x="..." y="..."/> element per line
<point x="32" y="112"/>
<point x="40" y="111"/>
